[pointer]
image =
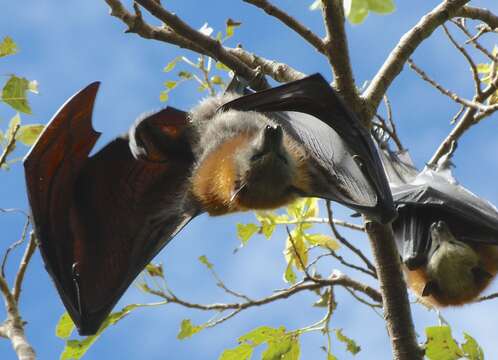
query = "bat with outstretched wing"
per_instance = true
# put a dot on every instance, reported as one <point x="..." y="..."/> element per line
<point x="100" y="219"/>
<point x="446" y="235"/>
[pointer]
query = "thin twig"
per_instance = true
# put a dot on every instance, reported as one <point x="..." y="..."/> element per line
<point x="465" y="54"/>
<point x="352" y="266"/>
<point x="483" y="15"/>
<point x="11" y="143"/>
<point x="23" y="265"/>
<point x="473" y="41"/>
<point x="346" y="243"/>
<point x="407" y="44"/>
<point x="291" y="23"/>
<point x="14" y="245"/>
<point x="298" y="255"/>
<point x="487" y="297"/>
<point x="442" y="90"/>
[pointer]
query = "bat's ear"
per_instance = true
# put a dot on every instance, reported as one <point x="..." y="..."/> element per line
<point x="430" y="288"/>
<point x="160" y="136"/>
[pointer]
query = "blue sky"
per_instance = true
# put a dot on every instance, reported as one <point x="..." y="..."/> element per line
<point x="66" y="45"/>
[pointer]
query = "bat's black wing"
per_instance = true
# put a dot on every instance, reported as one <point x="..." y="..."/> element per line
<point x="434" y="195"/>
<point x="346" y="162"/>
<point x="100" y="220"/>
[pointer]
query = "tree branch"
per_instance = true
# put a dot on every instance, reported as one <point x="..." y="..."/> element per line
<point x="475" y="13"/>
<point x="288" y="20"/>
<point x="404" y="49"/>
<point x="23" y="265"/>
<point x="337" y="52"/>
<point x="395" y="298"/>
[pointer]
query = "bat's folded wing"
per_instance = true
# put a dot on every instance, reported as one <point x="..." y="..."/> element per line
<point x="346" y="162"/>
<point x="100" y="220"/>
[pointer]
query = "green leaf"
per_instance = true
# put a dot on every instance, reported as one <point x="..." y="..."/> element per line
<point x="155" y="270"/>
<point x="171" y="65"/>
<point x="241" y="352"/>
<point x="483" y="68"/>
<point x="7" y="47"/>
<point x="204" y="260"/>
<point x="217" y="80"/>
<point x="13" y="123"/>
<point x="322" y="240"/>
<point x="381" y="6"/>
<point x="14" y="94"/>
<point x="221" y="66"/>
<point x="246" y="231"/>
<point x="296" y="251"/>
<point x="185" y="75"/>
<point x="351" y="345"/>
<point x="262" y="334"/>
<point x="170" y="84"/>
<point x="163" y="96"/>
<point x="356" y="10"/>
<point x="64" y="327"/>
<point x="187" y="329"/>
<point x="472" y="349"/>
<point x="75" y="349"/>
<point x="28" y="134"/>
<point x="311" y="207"/>
<point x="289" y="275"/>
<point x="316" y="5"/>
<point x="277" y="349"/>
<point x="295" y="350"/>
<point x="440" y="344"/>
<point x="231" y="25"/>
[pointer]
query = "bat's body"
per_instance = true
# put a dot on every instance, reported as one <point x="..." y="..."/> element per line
<point x="101" y="219"/>
<point x="456" y="272"/>
<point x="447" y="236"/>
<point x="245" y="161"/>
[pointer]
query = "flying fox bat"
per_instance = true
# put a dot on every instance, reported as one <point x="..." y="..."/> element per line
<point x="446" y="235"/>
<point x="101" y="219"/>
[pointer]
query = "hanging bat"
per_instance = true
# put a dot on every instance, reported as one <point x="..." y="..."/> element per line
<point x="101" y="219"/>
<point x="446" y="235"/>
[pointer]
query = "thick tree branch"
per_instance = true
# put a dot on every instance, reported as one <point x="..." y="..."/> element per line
<point x="337" y="52"/>
<point x="404" y="49"/>
<point x="239" y="60"/>
<point x="395" y="298"/>
<point x="288" y="20"/>
<point x="475" y="13"/>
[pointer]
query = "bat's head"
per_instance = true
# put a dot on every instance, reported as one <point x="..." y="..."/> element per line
<point x="266" y="168"/>
<point x="453" y="266"/>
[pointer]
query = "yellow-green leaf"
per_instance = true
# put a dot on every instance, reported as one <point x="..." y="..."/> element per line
<point x="217" y="80"/>
<point x="483" y="68"/>
<point x="241" y="352"/>
<point x="351" y="345"/>
<point x="472" y="349"/>
<point x="246" y="231"/>
<point x="230" y="27"/>
<point x="28" y="134"/>
<point x="262" y="334"/>
<point x="14" y="94"/>
<point x="221" y="66"/>
<point x="356" y="10"/>
<point x="155" y="270"/>
<point x="296" y="250"/>
<point x="187" y="329"/>
<point x="170" y="84"/>
<point x="64" y="327"/>
<point x="381" y="6"/>
<point x="204" y="260"/>
<point x="322" y="240"/>
<point x="163" y="96"/>
<point x="171" y="65"/>
<point x="75" y="349"/>
<point x="440" y="344"/>
<point x="277" y="348"/>
<point x="289" y="275"/>
<point x="7" y="47"/>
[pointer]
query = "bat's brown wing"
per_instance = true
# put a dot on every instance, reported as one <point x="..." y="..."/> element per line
<point x="348" y="168"/>
<point x="101" y="219"/>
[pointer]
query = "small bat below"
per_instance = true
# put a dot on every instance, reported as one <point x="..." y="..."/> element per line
<point x="101" y="219"/>
<point x="446" y="235"/>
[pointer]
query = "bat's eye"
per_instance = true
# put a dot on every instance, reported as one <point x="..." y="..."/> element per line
<point x="256" y="156"/>
<point x="282" y="158"/>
